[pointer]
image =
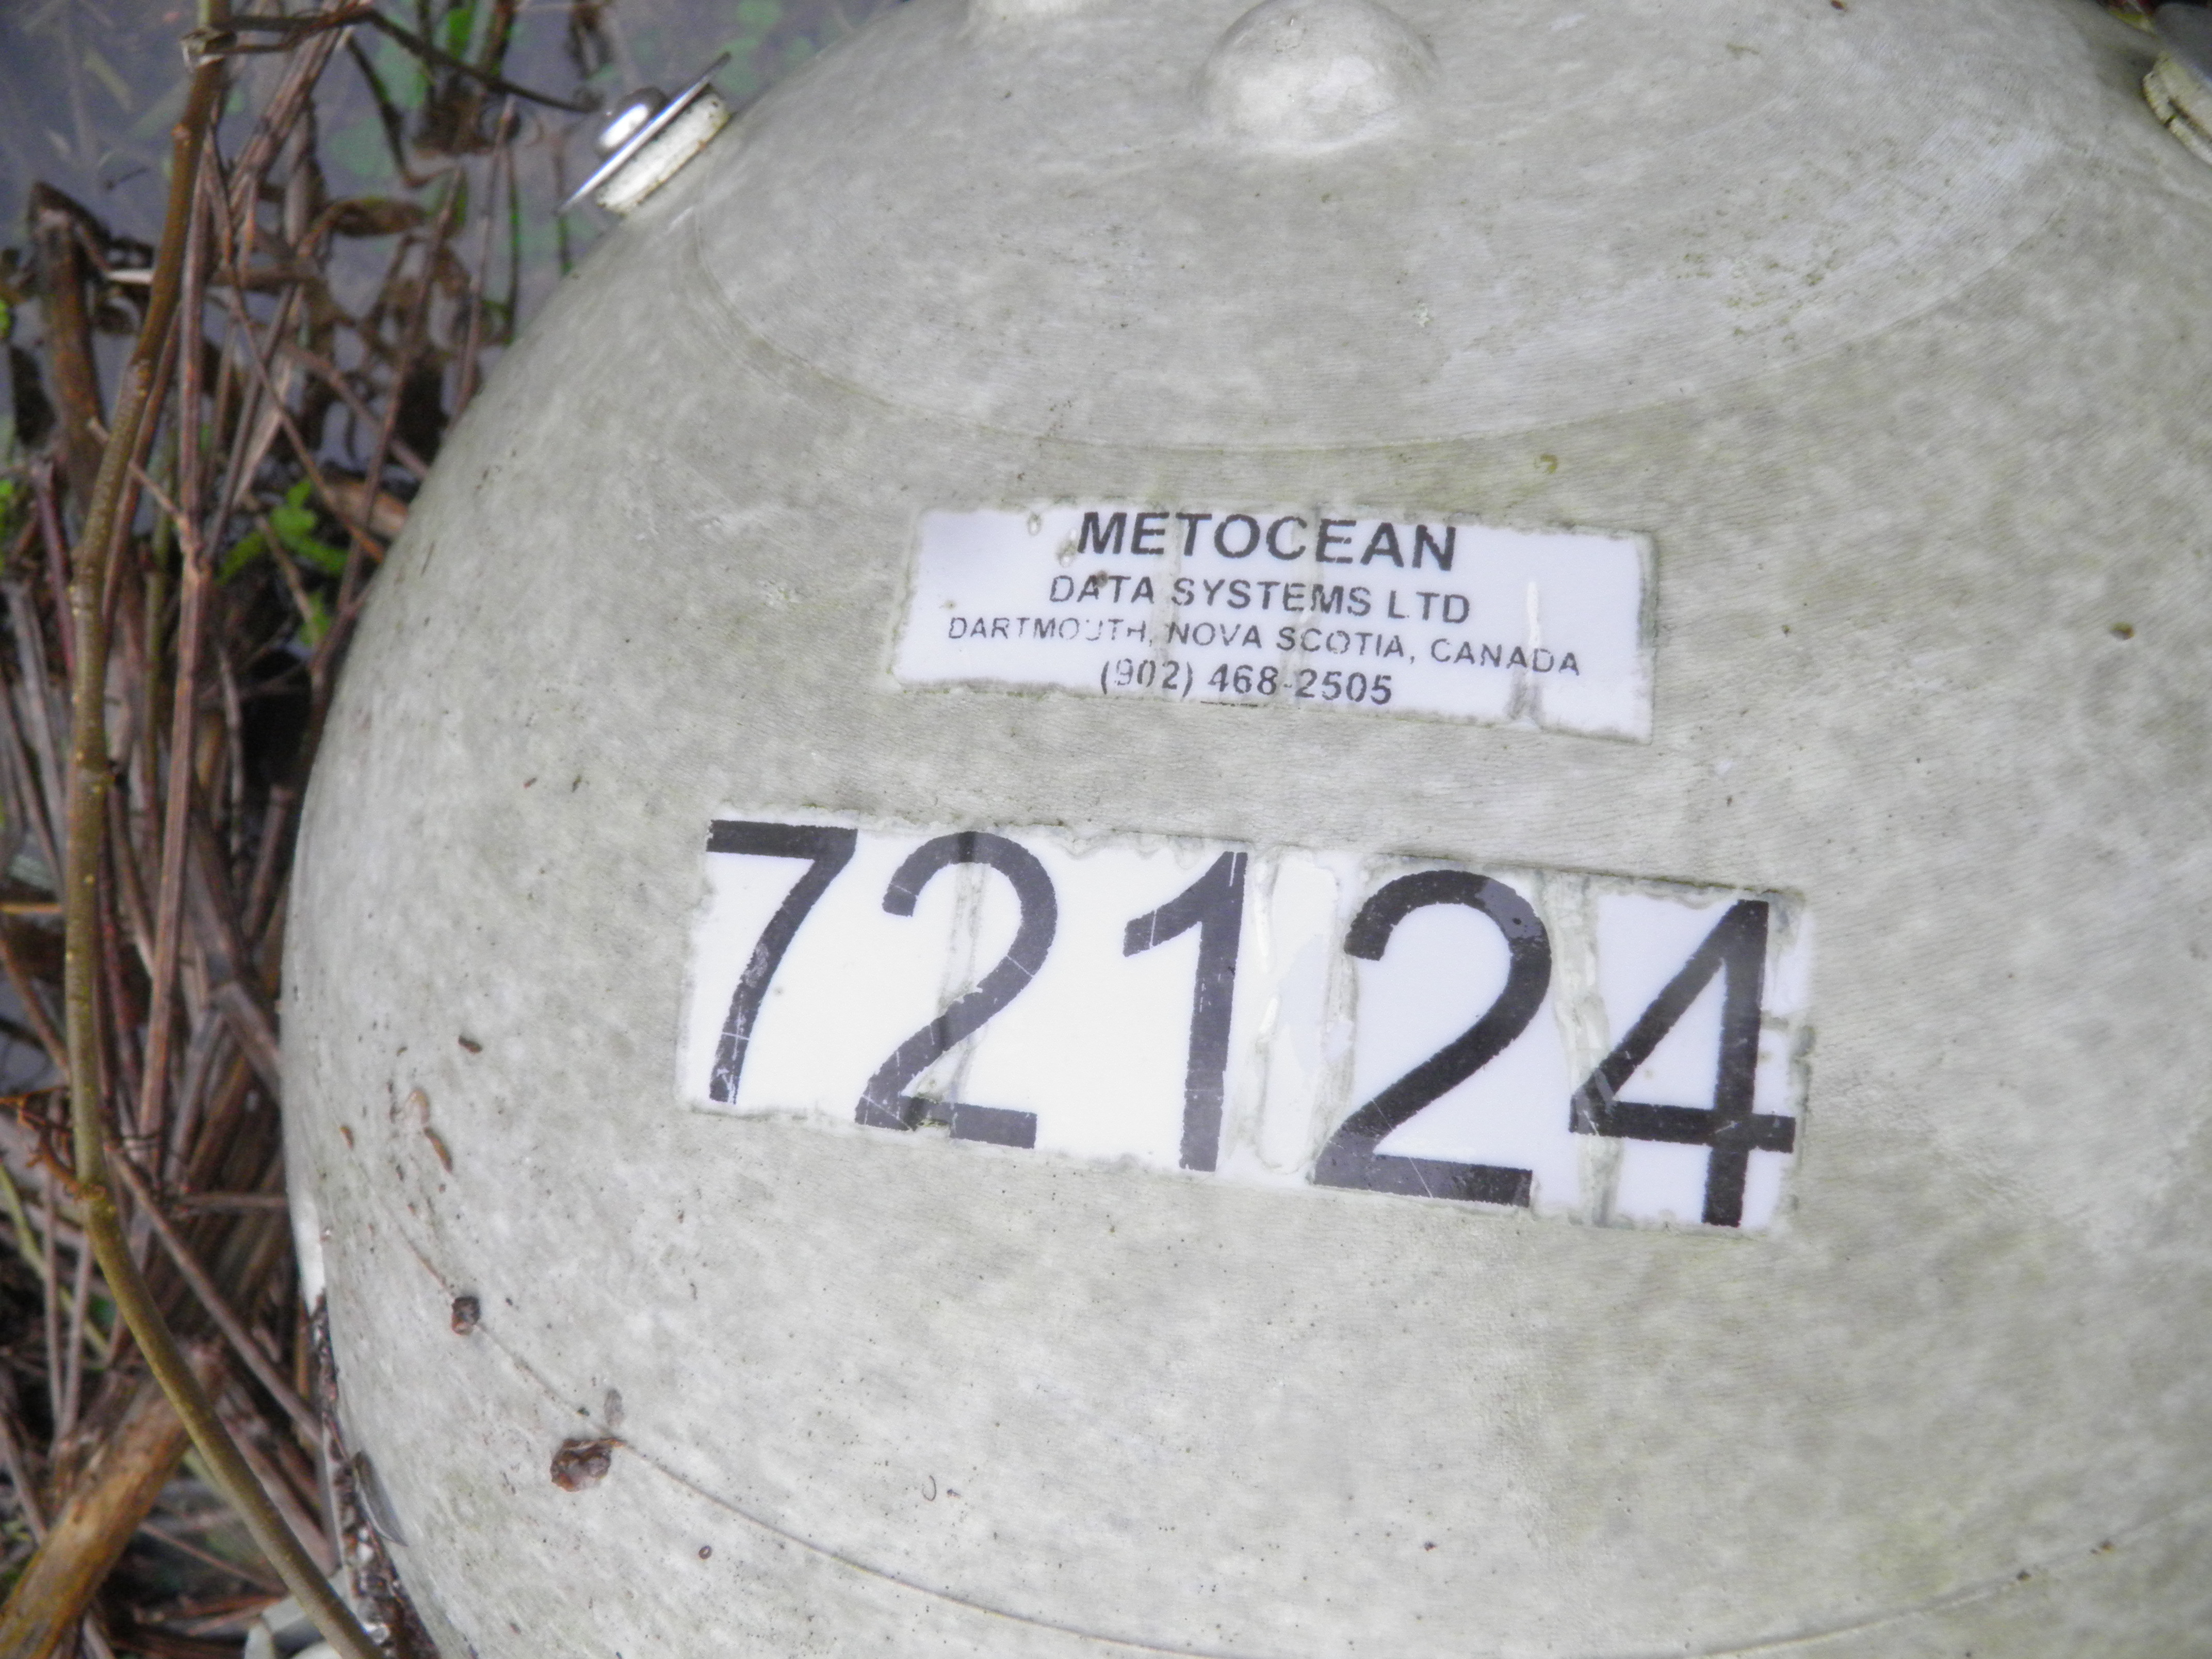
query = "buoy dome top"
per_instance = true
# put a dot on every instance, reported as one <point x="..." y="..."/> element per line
<point x="1199" y="224"/>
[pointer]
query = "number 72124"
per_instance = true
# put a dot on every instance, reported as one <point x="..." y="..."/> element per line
<point x="1604" y="1049"/>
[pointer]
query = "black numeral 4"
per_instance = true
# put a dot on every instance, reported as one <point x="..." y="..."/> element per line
<point x="1735" y="949"/>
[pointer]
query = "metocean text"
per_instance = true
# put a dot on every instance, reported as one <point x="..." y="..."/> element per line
<point x="1286" y="536"/>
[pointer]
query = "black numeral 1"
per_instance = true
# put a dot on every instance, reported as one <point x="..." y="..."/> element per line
<point x="1350" y="1158"/>
<point x="1214" y="904"/>
<point x="884" y="1103"/>
<point x="828" y="849"/>
<point x="1736" y="948"/>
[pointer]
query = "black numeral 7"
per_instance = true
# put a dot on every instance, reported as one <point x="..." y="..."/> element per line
<point x="827" y="850"/>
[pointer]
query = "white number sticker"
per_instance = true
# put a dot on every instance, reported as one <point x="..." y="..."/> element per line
<point x="1606" y="1049"/>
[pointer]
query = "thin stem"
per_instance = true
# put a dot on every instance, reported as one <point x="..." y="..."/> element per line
<point x="35" y="1006"/>
<point x="168" y="917"/>
<point x="364" y="13"/>
<point x="18" y="1473"/>
<point x="236" y="1568"/>
<point x="50" y="1278"/>
<point x="304" y="450"/>
<point x="329" y="373"/>
<point x="25" y="1240"/>
<point x="73" y="1372"/>
<point x="203" y="1287"/>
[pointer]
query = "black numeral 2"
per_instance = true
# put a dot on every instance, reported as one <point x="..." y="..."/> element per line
<point x="1736" y="948"/>
<point x="1214" y="904"/>
<point x="829" y="850"/>
<point x="1350" y="1158"/>
<point x="884" y="1103"/>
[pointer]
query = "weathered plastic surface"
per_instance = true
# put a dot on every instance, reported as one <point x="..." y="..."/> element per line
<point x="1885" y="324"/>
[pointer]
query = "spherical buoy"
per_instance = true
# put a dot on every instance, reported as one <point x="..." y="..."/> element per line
<point x="1310" y="831"/>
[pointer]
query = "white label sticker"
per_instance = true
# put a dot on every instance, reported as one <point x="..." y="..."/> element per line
<point x="1438" y="617"/>
<point x="1606" y="1049"/>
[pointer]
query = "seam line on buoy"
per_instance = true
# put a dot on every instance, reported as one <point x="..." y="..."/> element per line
<point x="1949" y="1601"/>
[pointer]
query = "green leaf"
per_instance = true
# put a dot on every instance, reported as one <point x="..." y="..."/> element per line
<point x="360" y="151"/>
<point x="244" y="551"/>
<point x="104" y="72"/>
<point x="406" y="82"/>
<point x="460" y="25"/>
<point x="331" y="561"/>
<point x="294" y="523"/>
<point x="316" y="623"/>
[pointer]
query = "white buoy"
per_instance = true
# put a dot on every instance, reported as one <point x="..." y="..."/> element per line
<point x="1307" y="833"/>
